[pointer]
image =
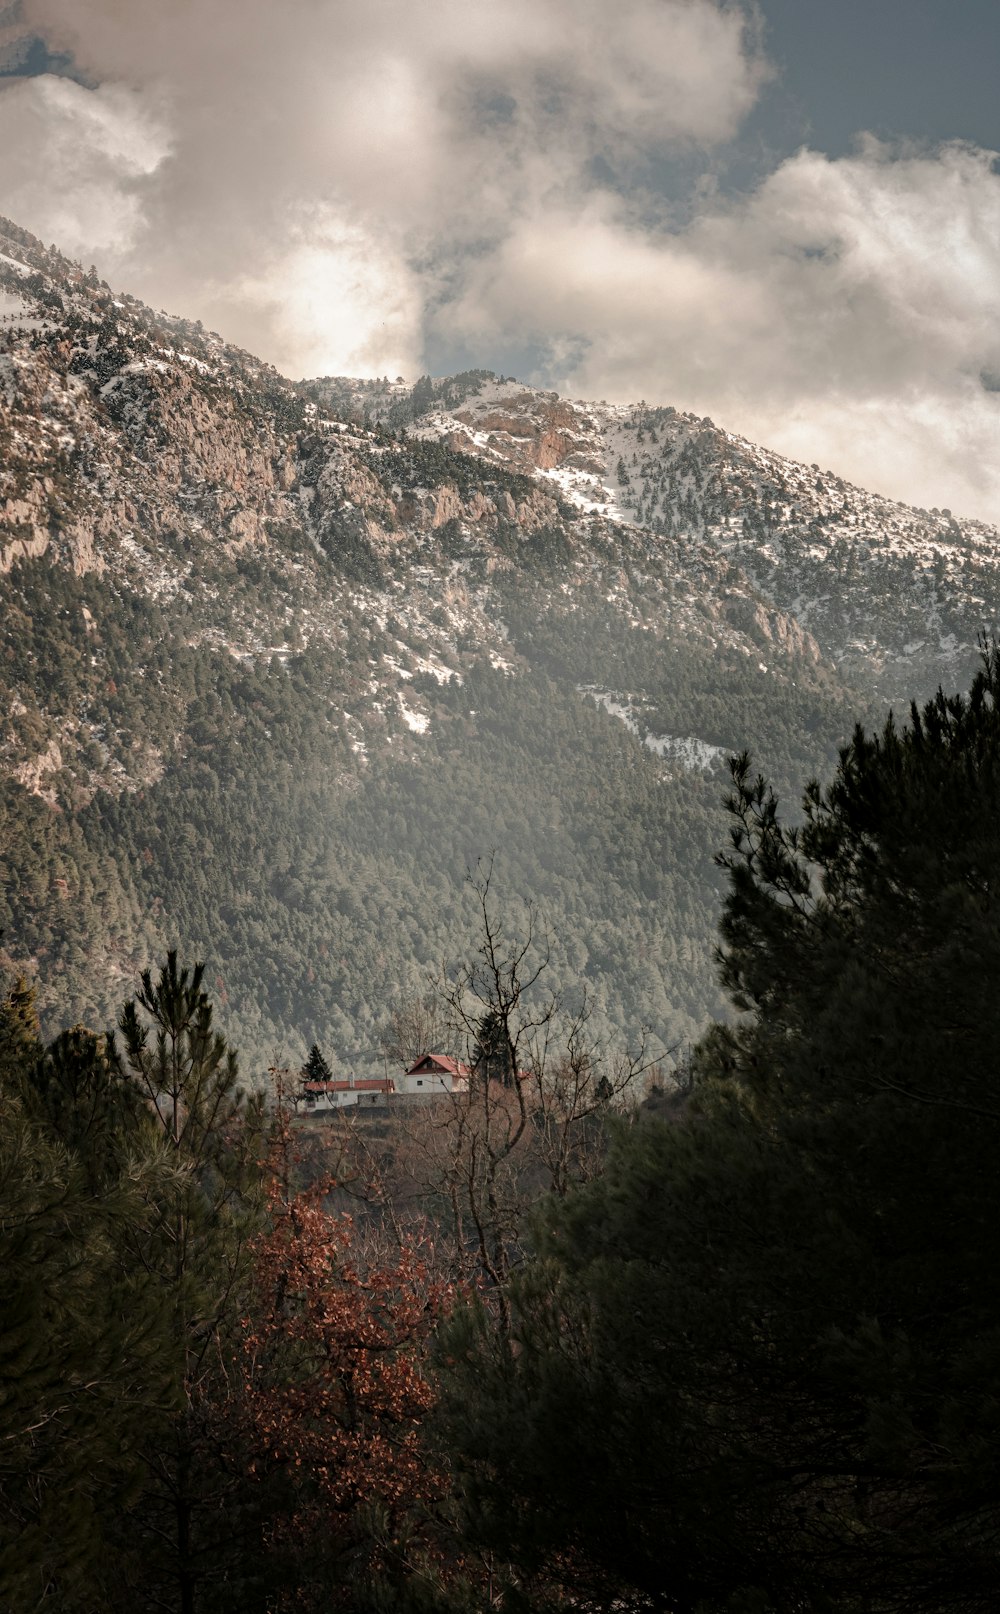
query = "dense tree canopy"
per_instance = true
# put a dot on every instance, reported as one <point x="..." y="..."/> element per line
<point x="322" y="883"/>
<point x="755" y="1365"/>
<point x="211" y="1390"/>
<point x="749" y="1367"/>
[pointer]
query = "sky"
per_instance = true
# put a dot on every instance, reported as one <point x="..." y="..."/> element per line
<point x="783" y="214"/>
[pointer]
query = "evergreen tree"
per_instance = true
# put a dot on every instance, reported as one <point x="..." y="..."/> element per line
<point x="755" y="1365"/>
<point x="316" y="1068"/>
<point x="130" y="1185"/>
<point x="19" y="1034"/>
<point x="211" y="1131"/>
<point x="84" y="1346"/>
<point x="492" y="1054"/>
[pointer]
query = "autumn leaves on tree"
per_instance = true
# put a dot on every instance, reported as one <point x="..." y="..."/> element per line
<point x="242" y="1391"/>
<point x="564" y="1353"/>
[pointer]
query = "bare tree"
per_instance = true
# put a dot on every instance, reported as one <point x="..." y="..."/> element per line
<point x="413" y="1027"/>
<point x="464" y="1168"/>
<point x="499" y="1146"/>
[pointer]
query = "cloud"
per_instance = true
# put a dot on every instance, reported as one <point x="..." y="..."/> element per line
<point x="350" y="185"/>
<point x="419" y="135"/>
<point x="337" y="302"/>
<point x="99" y="146"/>
<point x="844" y="312"/>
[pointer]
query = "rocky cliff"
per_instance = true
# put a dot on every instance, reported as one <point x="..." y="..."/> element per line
<point x="261" y="643"/>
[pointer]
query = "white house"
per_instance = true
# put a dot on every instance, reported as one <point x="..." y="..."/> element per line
<point x="319" y="1097"/>
<point x="433" y="1074"/>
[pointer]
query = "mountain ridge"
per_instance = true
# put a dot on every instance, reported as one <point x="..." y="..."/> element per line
<point x="244" y="610"/>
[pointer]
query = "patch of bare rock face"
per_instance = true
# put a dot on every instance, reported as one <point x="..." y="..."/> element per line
<point x="534" y="430"/>
<point x="163" y="442"/>
<point x="769" y="628"/>
<point x="141" y="444"/>
<point x="426" y="509"/>
<point x="83" y="467"/>
<point x="35" y="774"/>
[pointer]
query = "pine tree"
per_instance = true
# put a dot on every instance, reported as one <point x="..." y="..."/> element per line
<point x="19" y="1032"/>
<point x="316" y="1068"/>
<point x="492" y="1055"/>
<point x="211" y="1131"/>
<point x="84" y="1346"/>
<point x="755" y="1365"/>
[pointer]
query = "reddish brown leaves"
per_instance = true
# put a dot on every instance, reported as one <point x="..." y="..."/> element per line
<point x="332" y="1388"/>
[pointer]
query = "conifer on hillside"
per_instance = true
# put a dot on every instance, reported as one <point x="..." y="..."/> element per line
<point x="754" y="1366"/>
<point x="316" y="1068"/>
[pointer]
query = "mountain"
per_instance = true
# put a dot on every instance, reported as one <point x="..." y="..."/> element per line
<point x="280" y="662"/>
<point x="891" y="594"/>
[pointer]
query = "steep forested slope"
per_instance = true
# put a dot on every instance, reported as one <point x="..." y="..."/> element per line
<point x="278" y="665"/>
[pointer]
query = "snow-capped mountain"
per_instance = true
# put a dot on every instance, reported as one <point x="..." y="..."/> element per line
<point x="368" y="594"/>
<point x="895" y="593"/>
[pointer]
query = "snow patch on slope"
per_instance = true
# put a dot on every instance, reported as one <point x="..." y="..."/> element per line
<point x="697" y="756"/>
<point x="691" y="753"/>
<point x="419" y="722"/>
<point x="617" y="706"/>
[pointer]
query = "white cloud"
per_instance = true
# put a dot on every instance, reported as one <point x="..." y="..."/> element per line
<point x="75" y="162"/>
<point x="338" y="183"/>
<point x="337" y="302"/>
<point x="844" y="312"/>
<point x="424" y="131"/>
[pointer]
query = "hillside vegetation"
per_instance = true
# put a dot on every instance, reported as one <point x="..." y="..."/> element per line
<point x="728" y="1354"/>
<point x="279" y="665"/>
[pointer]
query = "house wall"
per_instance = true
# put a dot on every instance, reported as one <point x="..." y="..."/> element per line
<point x="352" y="1097"/>
<point x="430" y="1082"/>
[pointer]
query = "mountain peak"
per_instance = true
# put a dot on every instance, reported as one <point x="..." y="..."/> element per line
<point x="469" y="609"/>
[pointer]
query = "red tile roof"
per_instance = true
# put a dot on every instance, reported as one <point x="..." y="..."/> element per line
<point x="367" y="1084"/>
<point x="442" y="1062"/>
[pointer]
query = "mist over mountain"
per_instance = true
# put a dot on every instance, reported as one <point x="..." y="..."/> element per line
<point x="280" y="662"/>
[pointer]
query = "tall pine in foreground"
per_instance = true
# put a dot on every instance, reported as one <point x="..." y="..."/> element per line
<point x="130" y="1188"/>
<point x="756" y="1367"/>
<point x="85" y="1349"/>
<point x="211" y="1131"/>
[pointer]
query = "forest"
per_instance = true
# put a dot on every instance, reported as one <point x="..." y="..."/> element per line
<point x="582" y="1336"/>
<point x="280" y="664"/>
<point x="256" y="813"/>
